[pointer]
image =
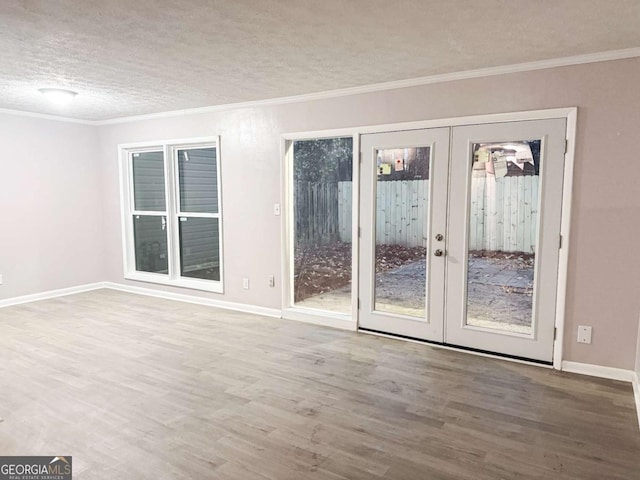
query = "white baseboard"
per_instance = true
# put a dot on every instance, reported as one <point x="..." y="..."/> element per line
<point x="610" y="373"/>
<point x="50" y="294"/>
<point x="324" y="319"/>
<point x="209" y="302"/>
<point x="636" y="393"/>
<point x="598" y="371"/>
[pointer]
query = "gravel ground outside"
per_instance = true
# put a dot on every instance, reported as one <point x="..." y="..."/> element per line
<point x="500" y="287"/>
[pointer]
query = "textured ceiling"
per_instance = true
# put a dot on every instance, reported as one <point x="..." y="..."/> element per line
<point x="132" y="57"/>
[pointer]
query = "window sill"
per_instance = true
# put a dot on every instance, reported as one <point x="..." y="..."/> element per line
<point x="191" y="283"/>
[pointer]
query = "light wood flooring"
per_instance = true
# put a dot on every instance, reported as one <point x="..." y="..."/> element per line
<point x="135" y="387"/>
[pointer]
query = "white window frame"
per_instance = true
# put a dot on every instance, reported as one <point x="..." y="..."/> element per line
<point x="172" y="212"/>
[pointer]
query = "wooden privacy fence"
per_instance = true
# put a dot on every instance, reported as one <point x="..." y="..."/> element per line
<point x="503" y="213"/>
<point x="316" y="212"/>
<point x="401" y="216"/>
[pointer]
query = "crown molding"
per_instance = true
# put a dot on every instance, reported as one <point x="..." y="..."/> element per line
<point x="46" y="116"/>
<point x="376" y="87"/>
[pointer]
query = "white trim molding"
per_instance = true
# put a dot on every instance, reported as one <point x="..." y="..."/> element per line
<point x="636" y="393"/>
<point x="610" y="373"/>
<point x="46" y="116"/>
<point x="378" y="87"/>
<point x="208" y="302"/>
<point x="62" y="292"/>
<point x="179" y="297"/>
<point x="565" y="228"/>
<point x="570" y="114"/>
<point x="599" y="371"/>
<point x="290" y="310"/>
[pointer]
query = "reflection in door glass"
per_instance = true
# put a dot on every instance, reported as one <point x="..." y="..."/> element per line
<point x="402" y="192"/>
<point x="503" y="215"/>
<point x="322" y="223"/>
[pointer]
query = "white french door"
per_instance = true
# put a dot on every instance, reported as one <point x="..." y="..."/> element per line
<point x="460" y="235"/>
<point x="403" y="202"/>
<point x="505" y="204"/>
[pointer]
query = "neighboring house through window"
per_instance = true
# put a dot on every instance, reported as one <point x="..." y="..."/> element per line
<point x="172" y="219"/>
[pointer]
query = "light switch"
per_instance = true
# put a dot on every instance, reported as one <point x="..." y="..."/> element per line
<point x="276" y="209"/>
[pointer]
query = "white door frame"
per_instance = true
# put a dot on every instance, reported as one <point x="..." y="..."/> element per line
<point x="569" y="113"/>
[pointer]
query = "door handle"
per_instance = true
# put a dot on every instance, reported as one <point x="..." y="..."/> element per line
<point x="438" y="253"/>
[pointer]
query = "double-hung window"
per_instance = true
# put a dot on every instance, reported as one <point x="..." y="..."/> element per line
<point x="171" y="213"/>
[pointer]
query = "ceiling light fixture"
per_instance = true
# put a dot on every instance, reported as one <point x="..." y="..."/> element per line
<point x="58" y="96"/>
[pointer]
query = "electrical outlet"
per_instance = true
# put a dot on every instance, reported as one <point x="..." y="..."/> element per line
<point x="1" y="280"/>
<point x="245" y="283"/>
<point x="584" y="334"/>
<point x="276" y="209"/>
<point x="272" y="281"/>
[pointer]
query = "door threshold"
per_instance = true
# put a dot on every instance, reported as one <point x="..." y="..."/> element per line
<point x="473" y="351"/>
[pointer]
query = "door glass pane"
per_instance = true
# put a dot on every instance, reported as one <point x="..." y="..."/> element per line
<point x="503" y="215"/>
<point x="198" y="180"/>
<point x="148" y="181"/>
<point x="402" y="192"/>
<point x="150" y="237"/>
<point x="322" y="176"/>
<point x="199" y="248"/>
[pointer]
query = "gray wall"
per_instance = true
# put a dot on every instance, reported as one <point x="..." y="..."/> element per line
<point x="50" y="206"/>
<point x="604" y="259"/>
<point x="52" y="191"/>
